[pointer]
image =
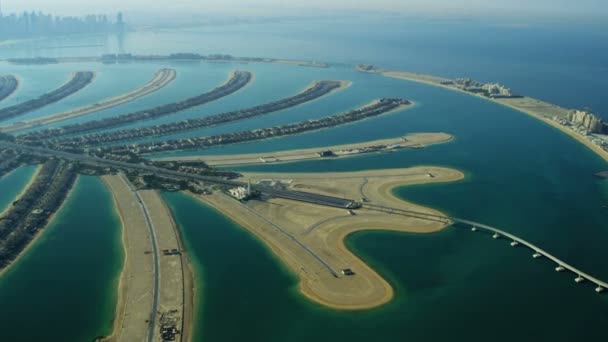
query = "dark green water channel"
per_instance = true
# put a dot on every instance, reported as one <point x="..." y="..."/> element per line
<point x="64" y="288"/>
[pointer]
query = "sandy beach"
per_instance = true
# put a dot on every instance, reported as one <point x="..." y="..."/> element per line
<point x="538" y="109"/>
<point x="416" y="140"/>
<point x="173" y="268"/>
<point x="309" y="238"/>
<point x="137" y="284"/>
<point x="135" y="295"/>
<point x="162" y="78"/>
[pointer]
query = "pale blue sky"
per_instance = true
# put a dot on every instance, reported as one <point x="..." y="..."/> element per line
<point x="245" y="7"/>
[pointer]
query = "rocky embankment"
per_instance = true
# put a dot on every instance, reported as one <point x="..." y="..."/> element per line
<point x="317" y="90"/>
<point x="238" y="80"/>
<point x="80" y="80"/>
<point x="32" y="212"/>
<point x="376" y="108"/>
<point x="8" y="85"/>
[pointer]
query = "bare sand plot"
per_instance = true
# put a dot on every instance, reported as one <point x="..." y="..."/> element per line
<point x="136" y="290"/>
<point x="310" y="238"/>
<point x="417" y="140"/>
<point x="175" y="299"/>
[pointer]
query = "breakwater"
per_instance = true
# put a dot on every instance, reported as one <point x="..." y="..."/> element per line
<point x="317" y="90"/>
<point x="376" y="108"/>
<point x="238" y="80"/>
<point x="78" y="81"/>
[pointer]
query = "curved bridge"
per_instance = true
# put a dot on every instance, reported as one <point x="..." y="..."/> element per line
<point x="496" y="234"/>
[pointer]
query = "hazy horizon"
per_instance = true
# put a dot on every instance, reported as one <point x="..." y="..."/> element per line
<point x="517" y="8"/>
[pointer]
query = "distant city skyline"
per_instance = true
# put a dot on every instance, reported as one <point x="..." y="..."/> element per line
<point x="40" y="24"/>
<point x="537" y="8"/>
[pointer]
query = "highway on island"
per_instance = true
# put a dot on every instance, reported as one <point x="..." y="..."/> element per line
<point x="101" y="162"/>
<point x="311" y="198"/>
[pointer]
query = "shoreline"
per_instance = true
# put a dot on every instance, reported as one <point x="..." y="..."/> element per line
<point x="236" y="81"/>
<point x="328" y="227"/>
<point x="137" y="291"/>
<point x="234" y="59"/>
<point x="121" y="286"/>
<point x="25" y="188"/>
<point x="434" y="81"/>
<point x="40" y="233"/>
<point x="161" y="79"/>
<point x="306" y="129"/>
<point x="189" y="281"/>
<point x="132" y="286"/>
<point x="14" y="92"/>
<point x="172" y="292"/>
<point x="179" y="127"/>
<point x="70" y="80"/>
<point x="409" y="141"/>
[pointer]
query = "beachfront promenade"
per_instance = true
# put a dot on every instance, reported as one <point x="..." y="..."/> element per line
<point x="496" y="234"/>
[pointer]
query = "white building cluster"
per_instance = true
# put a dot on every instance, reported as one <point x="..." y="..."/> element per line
<point x="239" y="193"/>
<point x="497" y="90"/>
<point x="589" y="122"/>
<point x="487" y="89"/>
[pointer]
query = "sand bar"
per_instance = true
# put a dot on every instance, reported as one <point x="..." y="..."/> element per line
<point x="162" y="78"/>
<point x="309" y="238"/>
<point x="136" y="287"/>
<point x="536" y="108"/>
<point x="416" y="140"/>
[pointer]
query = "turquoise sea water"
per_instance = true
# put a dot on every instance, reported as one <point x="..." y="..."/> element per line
<point x="12" y="184"/>
<point x="64" y="288"/>
<point x="559" y="61"/>
<point x="523" y="176"/>
<point x="103" y="86"/>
